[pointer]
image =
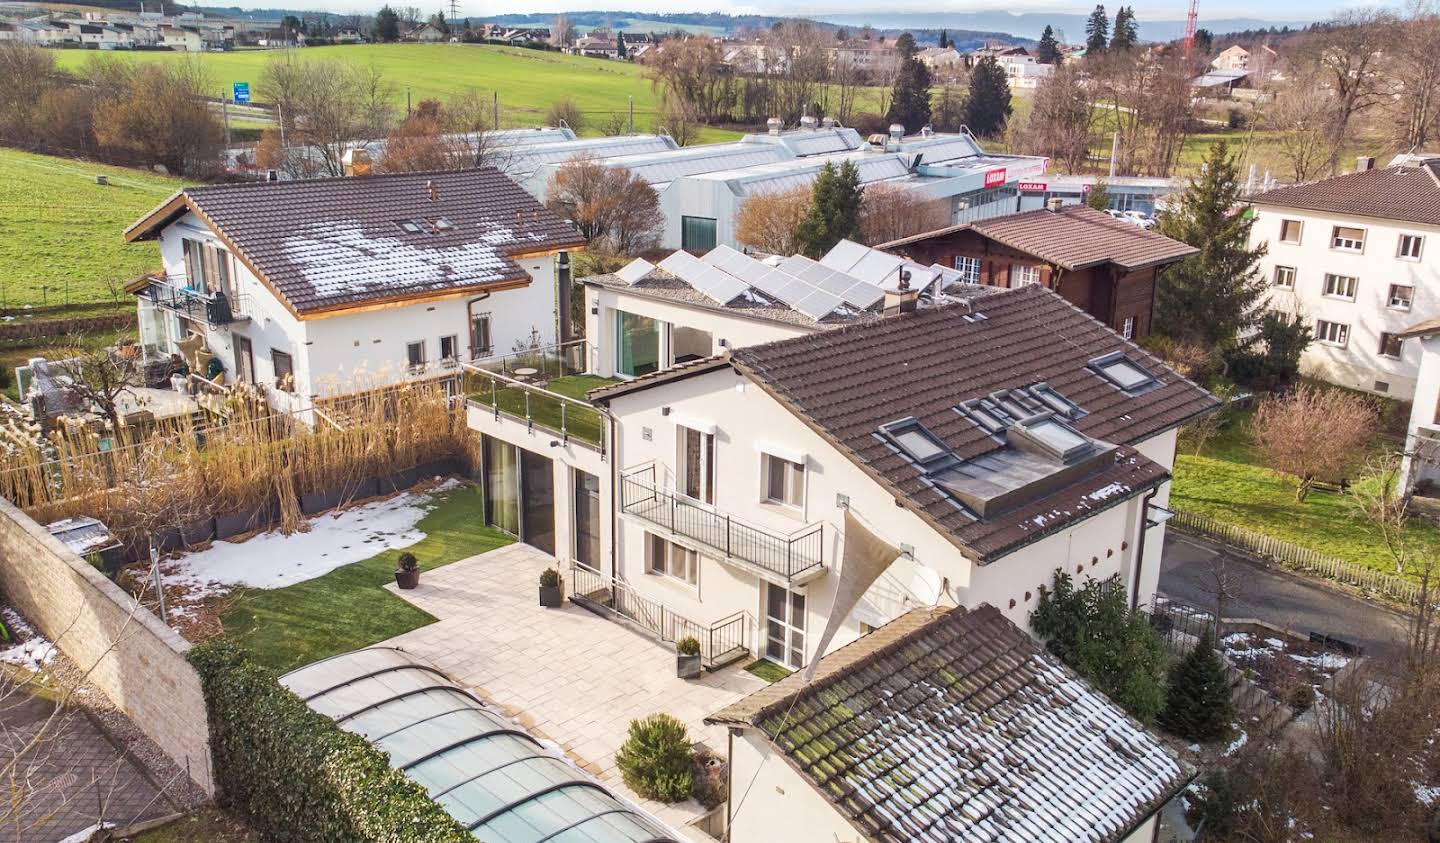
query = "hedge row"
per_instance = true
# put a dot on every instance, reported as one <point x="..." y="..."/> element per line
<point x="294" y="775"/>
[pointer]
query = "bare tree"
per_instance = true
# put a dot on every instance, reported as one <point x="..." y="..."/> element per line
<point x="613" y="208"/>
<point x="767" y="221"/>
<point x="328" y="106"/>
<point x="692" y="71"/>
<point x="1314" y="434"/>
<point x="1059" y="125"/>
<point x="100" y="377"/>
<point x="889" y="212"/>
<point x="29" y="73"/>
<point x="1303" y="119"/>
<point x="161" y="116"/>
<point x="676" y="118"/>
<point x="564" y="112"/>
<point x="562" y="31"/>
<point x="1381" y="504"/>
<point x="1415" y="78"/>
<point x="1347" y="55"/>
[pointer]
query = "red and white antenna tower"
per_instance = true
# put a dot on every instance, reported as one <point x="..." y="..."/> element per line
<point x="1190" y="27"/>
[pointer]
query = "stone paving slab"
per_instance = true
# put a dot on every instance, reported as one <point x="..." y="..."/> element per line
<point x="566" y="674"/>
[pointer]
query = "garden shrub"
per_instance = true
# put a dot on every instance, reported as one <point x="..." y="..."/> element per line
<point x="1095" y="632"/>
<point x="1197" y="702"/>
<point x="656" y="759"/>
<point x="293" y="775"/>
<point x="688" y="646"/>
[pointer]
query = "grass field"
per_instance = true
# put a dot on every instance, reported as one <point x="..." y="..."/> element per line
<point x="1227" y="481"/>
<point x="60" y="232"/>
<point x="529" y="81"/>
<point x="347" y="609"/>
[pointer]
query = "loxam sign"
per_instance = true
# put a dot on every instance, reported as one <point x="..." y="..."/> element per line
<point x="994" y="178"/>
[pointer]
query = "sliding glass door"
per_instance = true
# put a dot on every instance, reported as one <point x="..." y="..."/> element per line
<point x="637" y="344"/>
<point x="502" y="485"/>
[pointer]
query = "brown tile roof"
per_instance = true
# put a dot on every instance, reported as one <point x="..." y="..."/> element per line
<point x="1074" y="237"/>
<point x="848" y="382"/>
<point x="1427" y="328"/>
<point x="954" y="725"/>
<point x="1411" y="194"/>
<point x="673" y="373"/>
<point x="334" y="243"/>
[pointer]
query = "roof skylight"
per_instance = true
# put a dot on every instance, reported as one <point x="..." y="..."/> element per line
<point x="1125" y="373"/>
<point x="919" y="444"/>
<point x="410" y="226"/>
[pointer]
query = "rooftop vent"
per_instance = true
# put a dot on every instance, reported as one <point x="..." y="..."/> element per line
<point x="431" y="189"/>
<point x="1364" y="162"/>
<point x="897" y="131"/>
<point x="927" y="131"/>
<point x="903" y="299"/>
<point x="827" y="122"/>
<point x="808" y="122"/>
<point x="774" y="124"/>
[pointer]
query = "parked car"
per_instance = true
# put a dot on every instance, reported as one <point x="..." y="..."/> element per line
<point x="1139" y="218"/>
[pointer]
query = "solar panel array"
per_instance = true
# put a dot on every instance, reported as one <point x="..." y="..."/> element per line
<point x="798" y="293"/>
<point x="634" y="270"/>
<point x="718" y="286"/>
<point x="854" y="291"/>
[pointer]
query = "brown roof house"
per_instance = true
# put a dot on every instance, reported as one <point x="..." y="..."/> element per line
<point x="943" y="725"/>
<point x="1106" y="266"/>
<point x="326" y="286"/>
<point x="957" y="452"/>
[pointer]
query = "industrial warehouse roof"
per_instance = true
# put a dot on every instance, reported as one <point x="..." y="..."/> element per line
<point x="1408" y="192"/>
<point x="948" y="725"/>
<point x="998" y="420"/>
<point x="520" y="160"/>
<point x="493" y="778"/>
<point x="1074" y="237"/>
<point x="659" y="168"/>
<point x="330" y="244"/>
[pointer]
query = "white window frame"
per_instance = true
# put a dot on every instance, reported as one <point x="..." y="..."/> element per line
<point x="1288" y="272"/>
<point x="791" y="628"/>
<point x="1339" y="283"/>
<point x="1393" y="302"/>
<point x="1417" y="244"/>
<point x="1399" y="346"/>
<point x="454" y="340"/>
<point x="706" y="480"/>
<point x="1024" y="275"/>
<point x="968" y="267"/>
<point x="415" y="367"/>
<point x="1127" y="328"/>
<point x="476" y="320"/>
<point x="792" y="496"/>
<point x="1334" y="334"/>
<point x="1299" y="231"/>
<point x="680" y="563"/>
<point x="1347" y="244"/>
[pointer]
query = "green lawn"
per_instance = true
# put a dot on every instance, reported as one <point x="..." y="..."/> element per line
<point x="347" y="608"/>
<point x="581" y="423"/>
<point x="767" y="670"/>
<point x="529" y="81"/>
<point x="60" y="232"/>
<point x="1228" y="482"/>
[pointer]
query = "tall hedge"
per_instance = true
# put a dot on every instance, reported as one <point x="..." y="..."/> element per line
<point x="294" y="775"/>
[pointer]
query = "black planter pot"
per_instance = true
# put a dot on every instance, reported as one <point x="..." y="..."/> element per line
<point x="317" y="502"/>
<point x="407" y="579"/>
<point x="551" y="596"/>
<point x="167" y="540"/>
<point x="243" y="521"/>
<point x="687" y="667"/>
<point x="197" y="532"/>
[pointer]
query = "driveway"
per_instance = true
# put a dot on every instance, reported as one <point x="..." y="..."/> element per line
<point x="565" y="674"/>
<point x="1277" y="596"/>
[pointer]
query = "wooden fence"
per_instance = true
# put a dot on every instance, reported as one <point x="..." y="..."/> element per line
<point x="1297" y="558"/>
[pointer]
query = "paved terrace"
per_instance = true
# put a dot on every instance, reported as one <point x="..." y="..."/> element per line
<point x="565" y="674"/>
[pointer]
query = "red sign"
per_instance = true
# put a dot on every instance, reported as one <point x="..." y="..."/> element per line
<point x="1033" y="186"/>
<point x="995" y="177"/>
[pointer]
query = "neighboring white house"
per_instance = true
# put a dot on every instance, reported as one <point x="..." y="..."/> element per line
<point x="1356" y="256"/>
<point x="1234" y="57"/>
<point x="943" y="725"/>
<point x="427" y="32"/>
<point x="1022" y="70"/>
<point x="321" y="287"/>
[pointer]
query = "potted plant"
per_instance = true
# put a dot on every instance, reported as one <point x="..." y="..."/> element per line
<point x="687" y="658"/>
<point x="408" y="574"/>
<point x="550" y="594"/>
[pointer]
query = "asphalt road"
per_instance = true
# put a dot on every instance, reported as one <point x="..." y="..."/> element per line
<point x="1277" y="596"/>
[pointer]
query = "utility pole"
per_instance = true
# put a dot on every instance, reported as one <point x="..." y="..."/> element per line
<point x="495" y="108"/>
<point x="632" y="114"/>
<point x="407" y="102"/>
<point x="1114" y="152"/>
<point x="225" y="112"/>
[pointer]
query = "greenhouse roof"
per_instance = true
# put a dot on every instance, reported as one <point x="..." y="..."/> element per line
<point x="491" y="776"/>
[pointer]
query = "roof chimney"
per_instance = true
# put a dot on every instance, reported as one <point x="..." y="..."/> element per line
<point x="1054" y="203"/>
<point x="356" y="162"/>
<point x="774" y="124"/>
<point x="432" y="190"/>
<point x="1364" y="162"/>
<point x="903" y="299"/>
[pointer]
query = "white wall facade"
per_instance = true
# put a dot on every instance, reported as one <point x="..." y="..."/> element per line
<point x="747" y="423"/>
<point x="1421" y="463"/>
<point x="1358" y="364"/>
<point x="350" y="349"/>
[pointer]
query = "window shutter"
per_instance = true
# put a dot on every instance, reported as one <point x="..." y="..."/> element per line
<point x="187" y="248"/>
<point x="212" y="269"/>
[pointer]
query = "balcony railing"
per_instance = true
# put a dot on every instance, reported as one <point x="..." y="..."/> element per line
<point x="787" y="556"/>
<point x="721" y="642"/>
<point x="541" y="387"/>
<point x="174" y="293"/>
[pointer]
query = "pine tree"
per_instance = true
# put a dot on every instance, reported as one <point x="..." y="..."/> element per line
<point x="619" y="44"/>
<point x="1048" y="50"/>
<point x="1126" y="34"/>
<point x="1097" y="31"/>
<point x="1098" y="197"/>
<point x="910" y="99"/>
<point x="1197" y="700"/>
<point x="988" y="105"/>
<point x="834" y="210"/>
<point x="387" y="25"/>
<point x="943" y="42"/>
<point x="1211" y="297"/>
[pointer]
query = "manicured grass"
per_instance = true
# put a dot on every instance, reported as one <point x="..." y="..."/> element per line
<point x="60" y="232"/>
<point x="581" y="423"/>
<point x="767" y="670"/>
<point x="529" y="81"/>
<point x="1229" y="482"/>
<point x="347" y="608"/>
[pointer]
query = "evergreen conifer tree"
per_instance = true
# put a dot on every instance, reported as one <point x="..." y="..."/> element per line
<point x="910" y="99"/>
<point x="1097" y="31"/>
<point x="1126" y="33"/>
<point x="1197" y="700"/>
<point x="1048" y="50"/>
<point x="943" y="41"/>
<point x="619" y="44"/>
<point x="1098" y="197"/>
<point x="834" y="210"/>
<point x="988" y="105"/>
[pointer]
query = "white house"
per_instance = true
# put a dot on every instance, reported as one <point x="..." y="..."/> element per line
<point x="321" y="287"/>
<point x="1234" y="57"/>
<point x="1354" y="256"/>
<point x="943" y="725"/>
<point x="790" y="448"/>
<point x="1022" y="70"/>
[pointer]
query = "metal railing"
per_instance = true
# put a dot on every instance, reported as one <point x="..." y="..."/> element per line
<point x="787" y="555"/>
<point x="519" y="393"/>
<point x="175" y="294"/>
<point x="541" y="363"/>
<point x="721" y="642"/>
